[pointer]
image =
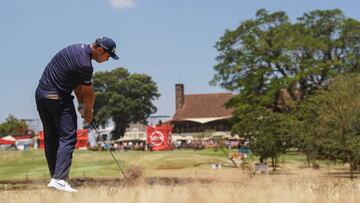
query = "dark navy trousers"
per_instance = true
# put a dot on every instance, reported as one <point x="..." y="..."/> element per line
<point x="59" y="120"/>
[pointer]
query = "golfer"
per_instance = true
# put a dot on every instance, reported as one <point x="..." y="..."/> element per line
<point x="70" y="69"/>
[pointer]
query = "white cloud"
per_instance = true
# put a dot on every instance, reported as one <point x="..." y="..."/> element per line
<point x="119" y="4"/>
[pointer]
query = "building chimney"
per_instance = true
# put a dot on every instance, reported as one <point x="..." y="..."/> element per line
<point x="179" y="97"/>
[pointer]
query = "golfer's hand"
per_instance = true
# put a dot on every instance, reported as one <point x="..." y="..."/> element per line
<point x="88" y="116"/>
<point x="81" y="109"/>
<point x="85" y="114"/>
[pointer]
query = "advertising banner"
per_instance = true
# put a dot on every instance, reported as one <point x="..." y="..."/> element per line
<point x="81" y="143"/>
<point x="159" y="137"/>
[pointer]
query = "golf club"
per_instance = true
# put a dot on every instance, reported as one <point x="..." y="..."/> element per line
<point x="108" y="148"/>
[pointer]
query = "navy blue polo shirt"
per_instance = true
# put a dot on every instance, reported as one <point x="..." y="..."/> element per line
<point x="69" y="68"/>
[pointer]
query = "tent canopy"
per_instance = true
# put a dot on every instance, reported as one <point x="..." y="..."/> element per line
<point x="8" y="140"/>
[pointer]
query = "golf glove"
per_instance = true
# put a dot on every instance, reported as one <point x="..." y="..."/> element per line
<point x="81" y="109"/>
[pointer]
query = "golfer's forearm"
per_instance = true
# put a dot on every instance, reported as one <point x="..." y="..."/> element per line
<point x="86" y="95"/>
<point x="79" y="94"/>
<point x="88" y="98"/>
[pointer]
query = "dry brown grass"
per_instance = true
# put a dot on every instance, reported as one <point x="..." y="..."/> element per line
<point x="134" y="175"/>
<point x="304" y="186"/>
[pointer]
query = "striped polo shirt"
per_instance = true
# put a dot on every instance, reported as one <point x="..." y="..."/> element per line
<point x="69" y="68"/>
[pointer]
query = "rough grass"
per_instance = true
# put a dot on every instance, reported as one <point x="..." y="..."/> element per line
<point x="292" y="183"/>
<point x="262" y="188"/>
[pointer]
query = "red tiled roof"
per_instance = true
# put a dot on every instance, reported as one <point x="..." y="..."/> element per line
<point x="204" y="106"/>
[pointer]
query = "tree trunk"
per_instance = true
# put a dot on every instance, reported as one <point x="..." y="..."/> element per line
<point x="351" y="170"/>
<point x="308" y="160"/>
<point x="352" y="162"/>
<point x="273" y="162"/>
<point x="261" y="159"/>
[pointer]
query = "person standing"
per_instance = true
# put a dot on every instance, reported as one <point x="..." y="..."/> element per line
<point x="69" y="70"/>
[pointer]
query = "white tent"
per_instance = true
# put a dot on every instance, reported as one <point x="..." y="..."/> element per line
<point x="9" y="138"/>
<point x="206" y="120"/>
<point x="130" y="139"/>
<point x="220" y="134"/>
<point x="132" y="136"/>
<point x="179" y="137"/>
<point x="235" y="137"/>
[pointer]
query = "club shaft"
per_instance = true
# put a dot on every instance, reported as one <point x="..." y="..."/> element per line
<point x="108" y="148"/>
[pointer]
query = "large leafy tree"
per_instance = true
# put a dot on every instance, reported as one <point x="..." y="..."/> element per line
<point x="253" y="61"/>
<point x="12" y="125"/>
<point x="269" y="53"/>
<point x="335" y="131"/>
<point x="124" y="98"/>
<point x="274" y="64"/>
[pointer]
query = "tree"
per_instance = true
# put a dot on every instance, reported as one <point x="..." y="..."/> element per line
<point x="253" y="61"/>
<point x="336" y="130"/>
<point x="305" y="121"/>
<point x="269" y="133"/>
<point x="12" y="125"/>
<point x="269" y="53"/>
<point x="274" y="64"/>
<point x="123" y="97"/>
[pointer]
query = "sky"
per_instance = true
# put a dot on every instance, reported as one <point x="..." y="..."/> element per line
<point x="170" y="40"/>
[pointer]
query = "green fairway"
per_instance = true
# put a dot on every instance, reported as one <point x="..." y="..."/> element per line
<point x="22" y="165"/>
<point x="32" y="164"/>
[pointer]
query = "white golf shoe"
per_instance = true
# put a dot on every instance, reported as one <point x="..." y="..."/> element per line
<point x="61" y="185"/>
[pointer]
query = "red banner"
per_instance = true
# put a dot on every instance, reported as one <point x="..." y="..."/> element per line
<point x="7" y="142"/>
<point x="81" y="143"/>
<point x="159" y="137"/>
